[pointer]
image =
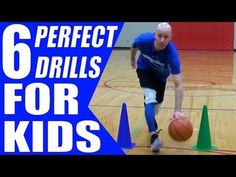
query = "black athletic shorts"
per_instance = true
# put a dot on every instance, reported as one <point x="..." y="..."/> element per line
<point x="148" y="80"/>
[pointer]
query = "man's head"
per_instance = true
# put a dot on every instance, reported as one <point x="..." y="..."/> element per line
<point x="163" y="35"/>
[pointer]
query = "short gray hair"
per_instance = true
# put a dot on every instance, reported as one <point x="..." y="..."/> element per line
<point x="164" y="26"/>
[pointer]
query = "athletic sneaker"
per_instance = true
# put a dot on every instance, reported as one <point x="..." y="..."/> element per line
<point x="155" y="142"/>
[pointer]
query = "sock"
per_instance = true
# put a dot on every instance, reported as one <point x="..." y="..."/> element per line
<point x="150" y="117"/>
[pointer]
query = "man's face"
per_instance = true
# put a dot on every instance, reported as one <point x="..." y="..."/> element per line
<point x="162" y="39"/>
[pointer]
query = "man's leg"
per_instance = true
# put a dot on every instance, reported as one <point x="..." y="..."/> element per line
<point x="157" y="108"/>
<point x="147" y="81"/>
<point x="150" y="102"/>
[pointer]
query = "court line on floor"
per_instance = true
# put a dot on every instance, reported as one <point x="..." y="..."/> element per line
<point x="141" y="122"/>
<point x="218" y="151"/>
<point x="164" y="107"/>
<point x="105" y="84"/>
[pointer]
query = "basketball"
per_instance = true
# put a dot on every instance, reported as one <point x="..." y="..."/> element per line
<point x="180" y="129"/>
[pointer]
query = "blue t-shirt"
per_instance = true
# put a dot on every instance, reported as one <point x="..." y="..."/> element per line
<point x="161" y="63"/>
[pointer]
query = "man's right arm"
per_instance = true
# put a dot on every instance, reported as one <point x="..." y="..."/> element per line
<point x="133" y="52"/>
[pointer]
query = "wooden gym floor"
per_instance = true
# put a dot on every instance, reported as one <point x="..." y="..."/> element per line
<point x="209" y="79"/>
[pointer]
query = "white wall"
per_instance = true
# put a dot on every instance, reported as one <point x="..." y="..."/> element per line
<point x="132" y="29"/>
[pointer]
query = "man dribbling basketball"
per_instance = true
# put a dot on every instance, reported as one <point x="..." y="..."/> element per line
<point x="157" y="60"/>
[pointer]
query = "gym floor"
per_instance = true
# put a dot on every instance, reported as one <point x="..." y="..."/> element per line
<point x="208" y="78"/>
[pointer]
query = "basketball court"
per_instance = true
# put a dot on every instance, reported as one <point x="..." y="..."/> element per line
<point x="208" y="78"/>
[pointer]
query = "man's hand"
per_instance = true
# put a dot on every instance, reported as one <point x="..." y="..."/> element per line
<point x="177" y="115"/>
